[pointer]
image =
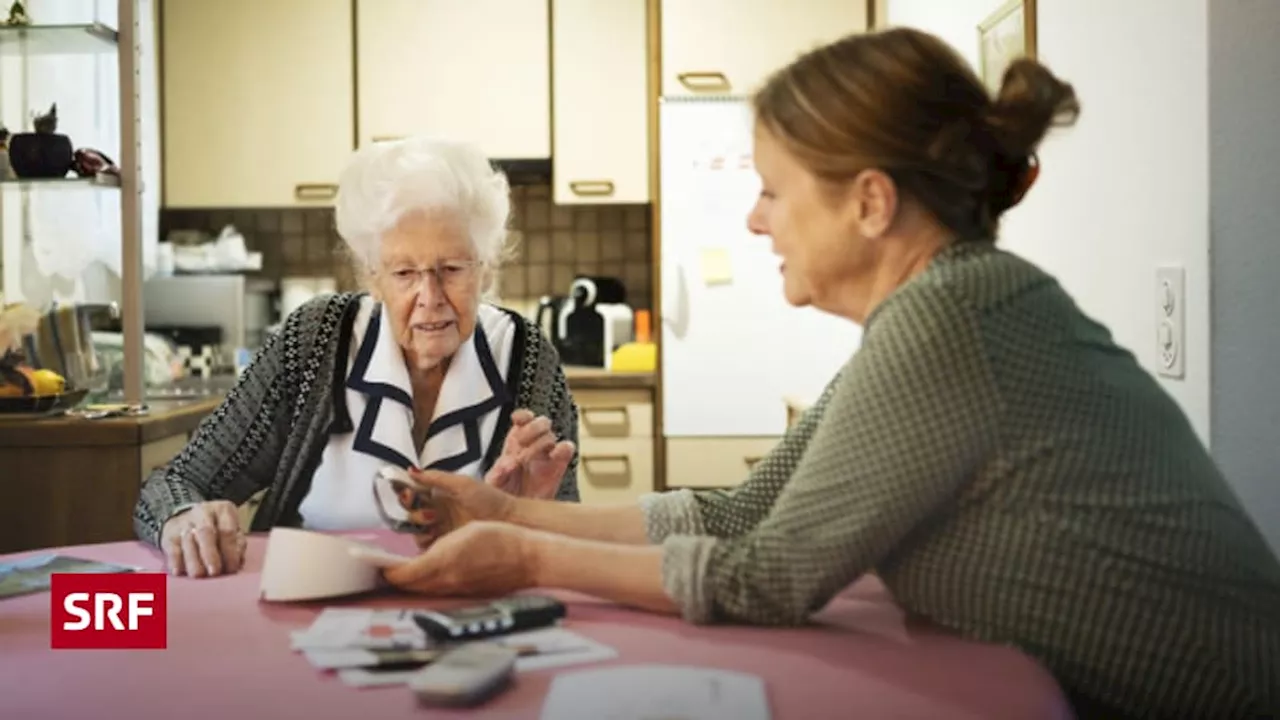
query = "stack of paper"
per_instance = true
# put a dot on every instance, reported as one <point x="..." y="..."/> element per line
<point x="641" y="692"/>
<point x="371" y="648"/>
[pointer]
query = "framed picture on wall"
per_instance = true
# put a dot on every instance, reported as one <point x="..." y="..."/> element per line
<point x="1007" y="34"/>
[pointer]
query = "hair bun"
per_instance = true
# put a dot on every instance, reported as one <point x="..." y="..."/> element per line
<point x="1031" y="100"/>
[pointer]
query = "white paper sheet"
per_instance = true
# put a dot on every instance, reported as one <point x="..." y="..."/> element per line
<point x="361" y="628"/>
<point x="644" y="692"/>
<point x="304" y="565"/>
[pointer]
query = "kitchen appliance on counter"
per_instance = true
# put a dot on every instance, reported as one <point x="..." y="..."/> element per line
<point x="550" y="315"/>
<point x="597" y="322"/>
<point x="239" y="308"/>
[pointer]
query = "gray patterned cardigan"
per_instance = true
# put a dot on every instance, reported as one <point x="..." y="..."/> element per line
<point x="270" y="431"/>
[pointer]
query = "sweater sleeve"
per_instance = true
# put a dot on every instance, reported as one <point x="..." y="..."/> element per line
<point x="733" y="512"/>
<point x="234" y="452"/>
<point x="908" y="422"/>
<point x="547" y="393"/>
<point x="564" y="423"/>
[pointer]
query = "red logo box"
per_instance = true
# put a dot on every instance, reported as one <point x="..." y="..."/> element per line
<point x="112" y="611"/>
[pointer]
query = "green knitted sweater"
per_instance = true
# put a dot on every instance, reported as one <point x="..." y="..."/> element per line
<point x="1014" y="476"/>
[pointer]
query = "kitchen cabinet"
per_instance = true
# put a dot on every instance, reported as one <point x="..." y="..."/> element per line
<point x="615" y="443"/>
<point x="600" y="93"/>
<point x="731" y="46"/>
<point x="257" y="101"/>
<point x="477" y="70"/>
<point x="69" y="481"/>
<point x="711" y="462"/>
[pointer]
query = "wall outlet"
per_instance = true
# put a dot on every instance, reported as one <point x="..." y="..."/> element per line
<point x="1171" y="335"/>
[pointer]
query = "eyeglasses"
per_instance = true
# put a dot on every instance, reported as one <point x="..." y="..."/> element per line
<point x="404" y="506"/>
<point x="449" y="274"/>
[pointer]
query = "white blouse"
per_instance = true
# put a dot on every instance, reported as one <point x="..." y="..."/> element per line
<point x="379" y="399"/>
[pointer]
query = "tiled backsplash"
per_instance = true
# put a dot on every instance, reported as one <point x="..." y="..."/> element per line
<point x="552" y="244"/>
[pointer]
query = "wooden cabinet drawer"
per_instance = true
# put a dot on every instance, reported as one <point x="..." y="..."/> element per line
<point x="614" y="414"/>
<point x="713" y="462"/>
<point x="615" y="471"/>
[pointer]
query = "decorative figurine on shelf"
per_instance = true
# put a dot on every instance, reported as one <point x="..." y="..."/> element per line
<point x="43" y="153"/>
<point x="18" y="14"/>
<point x="90" y="163"/>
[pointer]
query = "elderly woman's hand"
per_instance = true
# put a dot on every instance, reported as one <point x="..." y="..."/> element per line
<point x="480" y="559"/>
<point x="205" y="540"/>
<point x="532" y="463"/>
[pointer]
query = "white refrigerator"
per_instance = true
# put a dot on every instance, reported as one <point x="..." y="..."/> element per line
<point x="732" y="347"/>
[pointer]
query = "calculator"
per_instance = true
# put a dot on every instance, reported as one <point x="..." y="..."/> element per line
<point x="516" y="613"/>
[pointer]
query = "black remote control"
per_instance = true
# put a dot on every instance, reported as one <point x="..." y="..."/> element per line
<point x="500" y="617"/>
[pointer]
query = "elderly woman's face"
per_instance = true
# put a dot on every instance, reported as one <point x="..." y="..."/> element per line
<point x="429" y="281"/>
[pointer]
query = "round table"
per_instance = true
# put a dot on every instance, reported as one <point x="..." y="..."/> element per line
<point x="229" y="658"/>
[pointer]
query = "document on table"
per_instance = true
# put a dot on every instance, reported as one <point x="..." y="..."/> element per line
<point x="361" y="629"/>
<point x="643" y="692"/>
<point x="371" y="648"/>
<point x="32" y="574"/>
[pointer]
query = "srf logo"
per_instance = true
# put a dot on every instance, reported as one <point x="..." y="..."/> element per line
<point x="115" y="611"/>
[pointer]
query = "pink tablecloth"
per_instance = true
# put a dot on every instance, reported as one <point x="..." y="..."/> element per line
<point x="229" y="657"/>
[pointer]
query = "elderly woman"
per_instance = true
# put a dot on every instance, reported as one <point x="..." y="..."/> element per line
<point x="1008" y="471"/>
<point x="419" y="372"/>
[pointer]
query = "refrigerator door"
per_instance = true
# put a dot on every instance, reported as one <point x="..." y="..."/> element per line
<point x="732" y="347"/>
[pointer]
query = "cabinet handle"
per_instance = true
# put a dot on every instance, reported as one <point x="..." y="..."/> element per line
<point x="591" y="418"/>
<point x="591" y="188"/>
<point x="623" y="459"/>
<point x="705" y="81"/>
<point x="605" y="410"/>
<point x="751" y="460"/>
<point x="387" y="138"/>
<point x="315" y="191"/>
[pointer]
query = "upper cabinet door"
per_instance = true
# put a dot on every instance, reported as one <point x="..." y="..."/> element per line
<point x="257" y="100"/>
<point x="731" y="46"/>
<point x="600" y="70"/>
<point x="475" y="70"/>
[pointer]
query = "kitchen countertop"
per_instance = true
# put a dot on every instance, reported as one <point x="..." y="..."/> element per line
<point x="166" y="418"/>
<point x="595" y="378"/>
<point x="171" y="417"/>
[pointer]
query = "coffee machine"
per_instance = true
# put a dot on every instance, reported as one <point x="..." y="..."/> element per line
<point x="591" y="322"/>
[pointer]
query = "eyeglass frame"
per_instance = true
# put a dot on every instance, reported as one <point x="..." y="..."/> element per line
<point x="419" y="275"/>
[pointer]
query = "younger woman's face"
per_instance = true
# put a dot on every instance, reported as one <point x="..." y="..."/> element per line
<point x="815" y="230"/>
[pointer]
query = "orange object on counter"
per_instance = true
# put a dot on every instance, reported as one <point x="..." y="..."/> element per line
<point x="642" y="326"/>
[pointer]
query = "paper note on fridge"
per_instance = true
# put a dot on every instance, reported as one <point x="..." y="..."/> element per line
<point x="717" y="267"/>
<point x="305" y="565"/>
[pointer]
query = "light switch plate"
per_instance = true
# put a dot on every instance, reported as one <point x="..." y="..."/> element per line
<point x="1170" y="335"/>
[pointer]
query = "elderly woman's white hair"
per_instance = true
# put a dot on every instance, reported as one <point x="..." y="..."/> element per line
<point x="384" y="181"/>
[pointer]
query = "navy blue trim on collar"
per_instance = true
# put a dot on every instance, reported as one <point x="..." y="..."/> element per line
<point x="496" y="386"/>
<point x="364" y="442"/>
<point x="471" y="429"/>
<point x="357" y="380"/>
<point x="468" y="417"/>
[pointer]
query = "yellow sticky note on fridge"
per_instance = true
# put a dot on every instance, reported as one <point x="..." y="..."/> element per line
<point x="716" y="267"/>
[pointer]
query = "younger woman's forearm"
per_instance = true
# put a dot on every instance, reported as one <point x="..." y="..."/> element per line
<point x="609" y="523"/>
<point x="625" y="574"/>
